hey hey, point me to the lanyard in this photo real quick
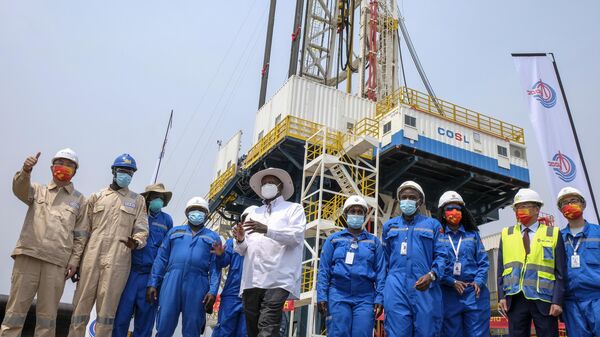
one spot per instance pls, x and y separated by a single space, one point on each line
457 248
576 246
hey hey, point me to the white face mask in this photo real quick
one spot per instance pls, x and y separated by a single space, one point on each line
269 191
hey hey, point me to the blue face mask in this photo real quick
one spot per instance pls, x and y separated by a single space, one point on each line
196 218
355 221
123 179
155 205
408 207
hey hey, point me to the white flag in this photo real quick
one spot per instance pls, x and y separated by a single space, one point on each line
552 128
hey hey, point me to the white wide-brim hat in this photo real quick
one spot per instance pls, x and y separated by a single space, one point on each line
287 189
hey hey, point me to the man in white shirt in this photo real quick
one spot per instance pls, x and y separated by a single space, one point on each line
271 241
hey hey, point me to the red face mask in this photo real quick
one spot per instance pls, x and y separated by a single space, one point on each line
572 211
453 216
62 173
524 216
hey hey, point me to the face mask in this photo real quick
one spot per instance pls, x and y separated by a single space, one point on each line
355 221
196 218
524 216
269 191
408 207
572 211
62 173
155 205
123 179
453 217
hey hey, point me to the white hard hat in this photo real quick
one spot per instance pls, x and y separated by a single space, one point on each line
527 195
197 201
67 154
568 191
355 200
410 184
249 210
450 196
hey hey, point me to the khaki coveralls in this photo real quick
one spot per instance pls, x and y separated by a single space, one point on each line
112 216
53 235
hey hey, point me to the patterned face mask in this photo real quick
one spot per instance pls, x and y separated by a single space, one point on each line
524 215
572 211
62 173
453 216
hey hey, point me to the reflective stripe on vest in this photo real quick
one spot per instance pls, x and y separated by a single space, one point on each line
532 274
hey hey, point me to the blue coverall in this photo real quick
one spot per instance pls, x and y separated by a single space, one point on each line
351 289
466 315
133 300
232 322
408 311
582 296
188 271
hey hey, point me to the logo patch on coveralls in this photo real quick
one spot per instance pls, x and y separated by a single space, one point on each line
74 204
130 204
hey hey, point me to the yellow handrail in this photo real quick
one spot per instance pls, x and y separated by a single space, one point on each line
331 210
221 180
449 111
307 278
367 127
290 126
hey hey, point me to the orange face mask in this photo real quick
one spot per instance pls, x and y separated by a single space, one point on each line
572 211
524 216
62 173
453 216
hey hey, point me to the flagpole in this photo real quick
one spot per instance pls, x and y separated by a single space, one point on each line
162 151
585 171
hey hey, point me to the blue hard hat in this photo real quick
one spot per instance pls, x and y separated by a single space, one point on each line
125 160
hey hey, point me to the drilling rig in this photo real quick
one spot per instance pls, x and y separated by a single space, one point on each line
345 122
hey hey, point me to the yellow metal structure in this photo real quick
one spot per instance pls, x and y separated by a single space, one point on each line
290 126
221 181
301 129
451 112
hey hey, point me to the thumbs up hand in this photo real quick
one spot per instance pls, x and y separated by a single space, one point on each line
30 162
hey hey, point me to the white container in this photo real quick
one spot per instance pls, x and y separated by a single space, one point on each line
435 133
228 154
314 102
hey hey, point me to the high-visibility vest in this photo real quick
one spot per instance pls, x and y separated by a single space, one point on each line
532 274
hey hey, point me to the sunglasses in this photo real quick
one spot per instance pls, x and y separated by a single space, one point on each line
452 207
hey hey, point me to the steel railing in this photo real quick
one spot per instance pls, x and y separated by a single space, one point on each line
449 111
219 183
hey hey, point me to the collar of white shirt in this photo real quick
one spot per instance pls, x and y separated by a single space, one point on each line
274 202
533 228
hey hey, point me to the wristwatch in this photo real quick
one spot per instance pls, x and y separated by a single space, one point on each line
432 275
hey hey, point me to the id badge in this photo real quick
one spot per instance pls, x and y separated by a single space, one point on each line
349 258
457 269
575 261
404 248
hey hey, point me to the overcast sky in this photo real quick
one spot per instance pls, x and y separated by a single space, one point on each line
101 77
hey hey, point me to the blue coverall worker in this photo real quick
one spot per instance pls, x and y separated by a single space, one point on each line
231 321
186 271
416 257
133 299
582 245
351 276
465 294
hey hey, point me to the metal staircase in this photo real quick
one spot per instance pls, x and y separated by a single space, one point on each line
336 166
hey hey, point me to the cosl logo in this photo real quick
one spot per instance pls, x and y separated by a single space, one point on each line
454 135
